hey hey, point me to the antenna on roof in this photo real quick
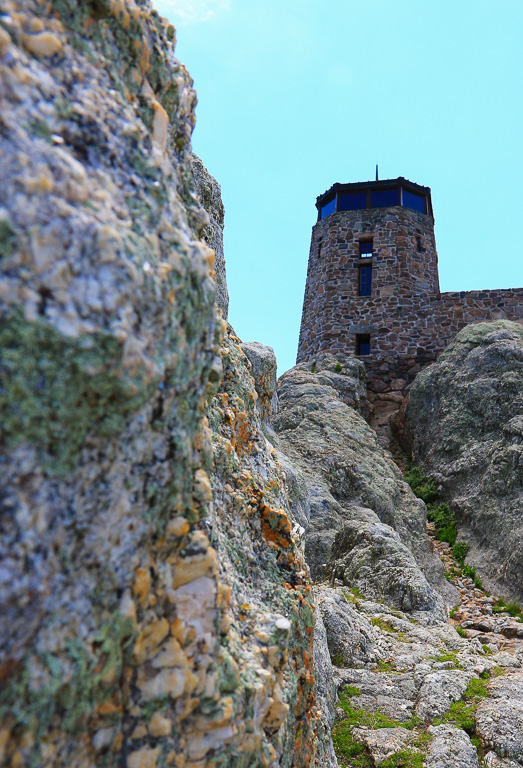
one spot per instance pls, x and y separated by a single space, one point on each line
377 174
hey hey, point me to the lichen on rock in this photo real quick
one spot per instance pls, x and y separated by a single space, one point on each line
464 418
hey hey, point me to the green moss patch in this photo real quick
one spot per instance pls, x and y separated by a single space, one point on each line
54 389
462 713
351 753
68 689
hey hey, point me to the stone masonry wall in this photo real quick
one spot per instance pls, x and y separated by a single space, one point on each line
408 320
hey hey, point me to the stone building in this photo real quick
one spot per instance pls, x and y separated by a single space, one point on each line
373 288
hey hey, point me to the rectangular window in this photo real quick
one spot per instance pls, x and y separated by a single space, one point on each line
383 198
365 280
329 208
352 201
363 344
416 202
366 249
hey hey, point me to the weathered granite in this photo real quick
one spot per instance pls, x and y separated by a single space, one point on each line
138 626
209 193
450 747
352 485
464 420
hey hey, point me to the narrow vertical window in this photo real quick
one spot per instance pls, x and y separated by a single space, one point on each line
320 246
365 280
363 344
366 249
418 243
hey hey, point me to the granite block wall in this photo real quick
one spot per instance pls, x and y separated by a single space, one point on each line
406 318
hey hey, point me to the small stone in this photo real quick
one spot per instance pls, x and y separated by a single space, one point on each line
42 44
159 725
144 758
160 125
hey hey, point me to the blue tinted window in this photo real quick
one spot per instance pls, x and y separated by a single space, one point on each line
365 281
328 208
352 202
366 249
382 198
416 202
363 344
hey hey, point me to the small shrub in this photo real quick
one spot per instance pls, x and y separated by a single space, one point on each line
338 367
422 486
460 551
313 367
461 632
513 609
453 611
444 522
486 650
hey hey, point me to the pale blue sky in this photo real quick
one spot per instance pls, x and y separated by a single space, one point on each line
295 95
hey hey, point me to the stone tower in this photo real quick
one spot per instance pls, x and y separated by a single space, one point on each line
372 249
373 288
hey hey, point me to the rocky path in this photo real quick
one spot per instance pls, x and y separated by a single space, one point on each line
499 631
445 695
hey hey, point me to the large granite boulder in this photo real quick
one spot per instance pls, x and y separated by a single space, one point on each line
156 608
360 513
464 417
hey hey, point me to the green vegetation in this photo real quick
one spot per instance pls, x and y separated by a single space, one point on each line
313 367
486 650
338 367
405 758
423 487
386 666
513 609
461 632
444 521
449 656
470 572
348 749
460 551
383 624
462 713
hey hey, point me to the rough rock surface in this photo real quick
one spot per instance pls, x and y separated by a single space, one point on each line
407 680
263 366
209 194
500 717
464 416
363 519
127 636
450 747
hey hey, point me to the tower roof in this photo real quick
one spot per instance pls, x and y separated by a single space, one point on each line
401 184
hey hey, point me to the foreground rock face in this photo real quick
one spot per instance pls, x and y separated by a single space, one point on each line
156 609
464 418
363 523
210 196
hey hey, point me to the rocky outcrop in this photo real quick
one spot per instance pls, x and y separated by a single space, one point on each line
270 608
156 608
364 525
464 419
209 194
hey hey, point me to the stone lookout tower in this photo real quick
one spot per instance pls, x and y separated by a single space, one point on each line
373 288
